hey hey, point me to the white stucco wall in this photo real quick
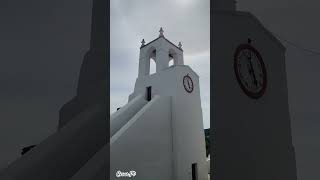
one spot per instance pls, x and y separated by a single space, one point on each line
125 113
144 144
163 47
188 127
187 122
62 154
95 168
249 130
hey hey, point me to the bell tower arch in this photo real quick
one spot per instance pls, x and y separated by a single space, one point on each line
161 50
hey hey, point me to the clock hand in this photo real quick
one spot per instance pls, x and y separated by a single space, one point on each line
251 71
249 65
253 74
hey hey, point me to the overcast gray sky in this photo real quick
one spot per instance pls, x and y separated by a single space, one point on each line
187 21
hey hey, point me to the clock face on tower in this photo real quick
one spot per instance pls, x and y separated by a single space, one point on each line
188 83
250 71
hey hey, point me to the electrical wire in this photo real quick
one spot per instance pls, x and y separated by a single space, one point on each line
295 45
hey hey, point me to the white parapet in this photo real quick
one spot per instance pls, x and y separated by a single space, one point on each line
125 113
144 144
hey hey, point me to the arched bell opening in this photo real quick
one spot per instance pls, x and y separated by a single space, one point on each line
173 57
151 64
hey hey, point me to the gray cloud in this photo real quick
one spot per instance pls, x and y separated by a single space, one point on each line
189 24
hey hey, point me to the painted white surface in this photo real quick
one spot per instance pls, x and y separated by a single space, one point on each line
258 127
95 168
125 113
188 133
144 144
271 110
183 126
159 51
63 153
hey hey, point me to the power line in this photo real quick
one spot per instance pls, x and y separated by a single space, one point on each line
296 46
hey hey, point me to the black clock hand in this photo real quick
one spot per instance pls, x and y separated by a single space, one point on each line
249 65
251 71
188 84
253 74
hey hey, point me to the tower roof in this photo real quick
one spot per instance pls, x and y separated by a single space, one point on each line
161 35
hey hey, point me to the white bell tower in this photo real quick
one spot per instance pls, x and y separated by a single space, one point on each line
161 51
162 123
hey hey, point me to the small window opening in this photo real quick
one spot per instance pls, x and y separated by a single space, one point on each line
149 93
194 171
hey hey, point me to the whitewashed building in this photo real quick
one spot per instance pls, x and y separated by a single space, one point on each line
251 121
159 134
